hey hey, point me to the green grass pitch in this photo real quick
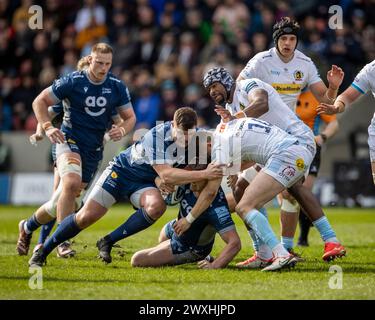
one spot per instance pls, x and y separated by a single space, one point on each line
86 277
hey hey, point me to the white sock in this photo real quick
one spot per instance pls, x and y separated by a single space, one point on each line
280 251
265 252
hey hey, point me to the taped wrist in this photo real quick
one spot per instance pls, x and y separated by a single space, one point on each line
190 218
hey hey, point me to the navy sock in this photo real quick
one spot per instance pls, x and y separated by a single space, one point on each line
138 221
31 224
67 229
45 231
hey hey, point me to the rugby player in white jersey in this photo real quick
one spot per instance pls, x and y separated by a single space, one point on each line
363 82
239 143
255 98
289 71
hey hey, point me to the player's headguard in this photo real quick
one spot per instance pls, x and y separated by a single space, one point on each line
285 26
218 74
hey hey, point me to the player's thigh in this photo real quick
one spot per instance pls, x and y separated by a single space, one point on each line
153 257
261 190
309 181
167 231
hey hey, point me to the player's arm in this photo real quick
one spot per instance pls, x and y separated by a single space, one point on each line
323 94
170 175
37 136
343 100
258 104
40 107
123 127
329 131
39 132
233 246
206 196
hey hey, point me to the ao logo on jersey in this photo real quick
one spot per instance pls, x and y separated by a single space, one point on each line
95 102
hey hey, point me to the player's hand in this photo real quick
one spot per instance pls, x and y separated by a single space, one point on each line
34 138
335 76
223 113
324 108
214 171
319 140
55 135
232 180
181 226
204 264
166 188
116 133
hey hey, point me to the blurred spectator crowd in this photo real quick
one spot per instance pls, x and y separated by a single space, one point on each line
163 47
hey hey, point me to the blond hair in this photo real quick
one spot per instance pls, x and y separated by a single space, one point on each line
101 47
83 63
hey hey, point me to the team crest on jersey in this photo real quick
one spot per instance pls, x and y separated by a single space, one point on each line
242 106
288 173
114 175
300 164
298 75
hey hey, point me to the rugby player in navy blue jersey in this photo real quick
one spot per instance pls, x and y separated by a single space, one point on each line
89 99
196 243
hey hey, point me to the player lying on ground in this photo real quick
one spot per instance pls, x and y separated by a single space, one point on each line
81 136
288 71
255 98
132 174
196 243
363 82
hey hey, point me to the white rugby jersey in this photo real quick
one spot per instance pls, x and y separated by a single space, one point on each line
365 81
288 79
248 139
278 114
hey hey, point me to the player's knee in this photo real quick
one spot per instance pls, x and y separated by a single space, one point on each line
137 259
72 185
85 218
155 209
241 209
162 236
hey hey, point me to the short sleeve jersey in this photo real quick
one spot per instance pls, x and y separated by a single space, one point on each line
288 79
88 106
365 80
